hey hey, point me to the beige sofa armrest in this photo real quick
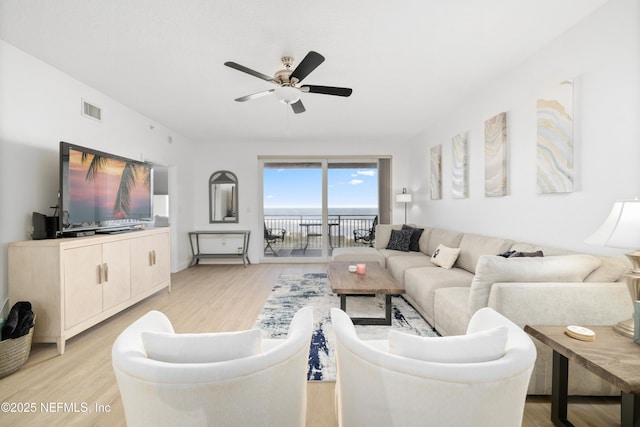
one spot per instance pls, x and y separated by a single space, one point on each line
562 303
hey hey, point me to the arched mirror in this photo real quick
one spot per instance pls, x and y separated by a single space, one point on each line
223 197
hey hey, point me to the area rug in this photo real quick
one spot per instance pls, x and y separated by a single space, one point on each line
294 291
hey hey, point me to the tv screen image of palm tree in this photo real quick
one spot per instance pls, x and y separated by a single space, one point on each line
105 188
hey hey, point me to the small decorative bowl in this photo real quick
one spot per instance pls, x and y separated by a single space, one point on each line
352 268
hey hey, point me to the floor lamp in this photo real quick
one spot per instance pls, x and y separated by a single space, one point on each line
405 198
621 229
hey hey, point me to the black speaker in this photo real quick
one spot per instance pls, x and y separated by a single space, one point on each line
44 227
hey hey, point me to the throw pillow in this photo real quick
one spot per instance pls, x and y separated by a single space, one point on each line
445 256
483 346
201 348
400 240
494 269
517 254
506 254
414 244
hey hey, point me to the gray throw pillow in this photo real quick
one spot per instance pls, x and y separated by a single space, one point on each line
414 244
526 254
400 240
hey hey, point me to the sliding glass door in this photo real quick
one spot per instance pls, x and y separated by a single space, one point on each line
311 206
292 207
352 200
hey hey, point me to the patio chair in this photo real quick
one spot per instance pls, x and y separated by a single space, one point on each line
366 235
272 235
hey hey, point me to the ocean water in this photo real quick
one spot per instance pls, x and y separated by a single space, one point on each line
318 211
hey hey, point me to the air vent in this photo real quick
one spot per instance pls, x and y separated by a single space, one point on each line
91 111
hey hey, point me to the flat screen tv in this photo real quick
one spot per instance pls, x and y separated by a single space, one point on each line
103 192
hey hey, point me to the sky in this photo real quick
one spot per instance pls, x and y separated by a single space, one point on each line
302 188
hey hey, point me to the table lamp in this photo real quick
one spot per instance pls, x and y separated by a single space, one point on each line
621 229
405 198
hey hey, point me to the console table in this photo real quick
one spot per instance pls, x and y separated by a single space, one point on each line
197 254
614 358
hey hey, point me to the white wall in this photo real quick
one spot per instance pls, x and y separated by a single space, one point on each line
242 159
602 55
40 106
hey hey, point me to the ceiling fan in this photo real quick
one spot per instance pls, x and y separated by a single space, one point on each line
287 81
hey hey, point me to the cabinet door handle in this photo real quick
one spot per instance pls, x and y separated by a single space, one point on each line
106 271
99 274
154 257
150 258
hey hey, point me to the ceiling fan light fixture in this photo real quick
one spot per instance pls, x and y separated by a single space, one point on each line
287 94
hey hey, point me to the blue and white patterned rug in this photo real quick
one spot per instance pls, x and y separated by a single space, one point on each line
294 291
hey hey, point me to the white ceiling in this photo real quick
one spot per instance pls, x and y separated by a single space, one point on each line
408 61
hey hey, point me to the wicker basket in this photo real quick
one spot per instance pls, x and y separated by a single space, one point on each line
14 353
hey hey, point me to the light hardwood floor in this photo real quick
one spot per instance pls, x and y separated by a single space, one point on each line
204 298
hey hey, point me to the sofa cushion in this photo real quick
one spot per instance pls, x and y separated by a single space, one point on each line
421 283
494 269
398 265
473 246
445 237
424 239
201 348
478 347
388 253
445 256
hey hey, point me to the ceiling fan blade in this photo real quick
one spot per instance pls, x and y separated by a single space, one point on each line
308 64
327 90
254 95
298 107
249 71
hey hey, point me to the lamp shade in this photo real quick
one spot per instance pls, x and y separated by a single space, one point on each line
621 229
403 198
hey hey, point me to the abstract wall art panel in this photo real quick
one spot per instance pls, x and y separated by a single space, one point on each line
436 172
459 167
495 156
555 139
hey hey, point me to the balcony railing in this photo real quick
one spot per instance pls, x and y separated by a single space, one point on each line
304 231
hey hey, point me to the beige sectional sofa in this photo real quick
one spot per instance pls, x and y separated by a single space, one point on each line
560 288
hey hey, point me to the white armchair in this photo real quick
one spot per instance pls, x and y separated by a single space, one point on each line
265 389
376 387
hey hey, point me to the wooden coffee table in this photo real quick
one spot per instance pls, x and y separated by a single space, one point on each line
376 281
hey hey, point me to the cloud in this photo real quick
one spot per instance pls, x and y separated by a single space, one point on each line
269 196
356 181
370 172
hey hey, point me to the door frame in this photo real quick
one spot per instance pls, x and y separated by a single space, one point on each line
324 161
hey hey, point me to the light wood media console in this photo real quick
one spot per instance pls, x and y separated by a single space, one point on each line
75 283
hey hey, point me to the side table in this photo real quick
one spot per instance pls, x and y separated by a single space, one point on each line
612 357
197 254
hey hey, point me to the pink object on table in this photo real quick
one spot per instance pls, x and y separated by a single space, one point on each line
361 268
